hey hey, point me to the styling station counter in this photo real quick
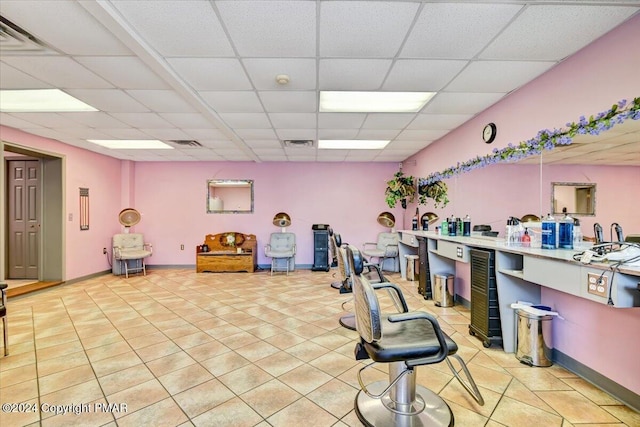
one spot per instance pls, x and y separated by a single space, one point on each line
521 273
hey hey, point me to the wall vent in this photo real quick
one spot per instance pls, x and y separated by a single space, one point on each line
15 40
299 143
186 142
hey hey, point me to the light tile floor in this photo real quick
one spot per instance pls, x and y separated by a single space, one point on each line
178 348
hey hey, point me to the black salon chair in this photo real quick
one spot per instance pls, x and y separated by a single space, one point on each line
405 341
3 315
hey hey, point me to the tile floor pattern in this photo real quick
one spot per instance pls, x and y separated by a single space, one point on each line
180 348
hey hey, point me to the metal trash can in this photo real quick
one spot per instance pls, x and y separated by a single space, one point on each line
533 340
413 267
443 292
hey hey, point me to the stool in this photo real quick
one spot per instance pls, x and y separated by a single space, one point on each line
412 269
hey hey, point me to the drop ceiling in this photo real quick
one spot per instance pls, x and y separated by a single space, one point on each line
206 71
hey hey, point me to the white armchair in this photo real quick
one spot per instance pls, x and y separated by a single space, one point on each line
385 250
282 250
130 251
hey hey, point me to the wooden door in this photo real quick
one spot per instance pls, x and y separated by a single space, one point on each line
23 218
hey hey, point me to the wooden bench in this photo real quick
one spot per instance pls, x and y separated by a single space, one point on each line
228 252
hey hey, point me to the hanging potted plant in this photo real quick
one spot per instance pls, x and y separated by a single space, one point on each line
401 188
436 190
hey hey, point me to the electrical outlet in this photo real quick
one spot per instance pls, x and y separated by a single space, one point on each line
182 247
104 251
597 284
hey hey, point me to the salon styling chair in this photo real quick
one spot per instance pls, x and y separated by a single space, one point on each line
405 341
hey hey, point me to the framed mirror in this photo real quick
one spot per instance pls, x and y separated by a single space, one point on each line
229 196
574 198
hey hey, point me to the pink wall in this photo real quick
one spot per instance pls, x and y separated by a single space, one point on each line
172 200
86 169
587 83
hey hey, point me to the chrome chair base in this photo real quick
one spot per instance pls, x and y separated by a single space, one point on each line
384 412
348 321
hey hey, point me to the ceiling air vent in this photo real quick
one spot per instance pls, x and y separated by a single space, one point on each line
14 39
186 142
298 143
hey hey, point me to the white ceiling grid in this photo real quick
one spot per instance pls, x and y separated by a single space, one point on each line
205 70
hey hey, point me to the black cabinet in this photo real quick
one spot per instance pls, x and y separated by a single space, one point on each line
485 311
320 247
424 275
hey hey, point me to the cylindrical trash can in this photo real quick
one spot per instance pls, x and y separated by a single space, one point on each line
533 341
443 290
413 267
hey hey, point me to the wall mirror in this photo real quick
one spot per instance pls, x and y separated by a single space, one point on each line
573 198
230 196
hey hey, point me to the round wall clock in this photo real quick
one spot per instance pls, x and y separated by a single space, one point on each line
489 133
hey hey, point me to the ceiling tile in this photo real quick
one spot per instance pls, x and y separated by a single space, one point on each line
461 103
352 74
58 71
560 30
211 73
340 120
497 76
246 120
422 74
337 133
256 133
11 120
166 133
378 133
422 135
438 121
364 29
206 133
137 75
49 120
387 121
95 119
263 143
64 24
177 28
187 120
11 78
162 101
265 158
263 72
142 120
296 133
233 101
407 145
218 144
289 102
109 100
456 30
268 151
125 133
293 120
278 28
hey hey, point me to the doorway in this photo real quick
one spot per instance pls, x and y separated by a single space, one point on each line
46 247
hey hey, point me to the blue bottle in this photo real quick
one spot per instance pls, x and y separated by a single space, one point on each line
565 232
549 232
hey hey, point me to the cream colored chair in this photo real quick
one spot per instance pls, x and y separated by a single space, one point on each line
385 250
130 251
282 251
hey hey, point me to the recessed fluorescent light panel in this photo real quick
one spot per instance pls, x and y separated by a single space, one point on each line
39 101
373 102
351 144
132 144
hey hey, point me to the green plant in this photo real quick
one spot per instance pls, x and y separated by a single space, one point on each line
436 191
401 188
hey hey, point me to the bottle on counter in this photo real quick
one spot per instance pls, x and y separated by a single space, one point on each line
452 226
444 228
577 234
459 226
414 221
526 238
565 238
466 226
549 232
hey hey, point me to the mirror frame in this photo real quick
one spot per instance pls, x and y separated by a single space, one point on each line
591 185
229 183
